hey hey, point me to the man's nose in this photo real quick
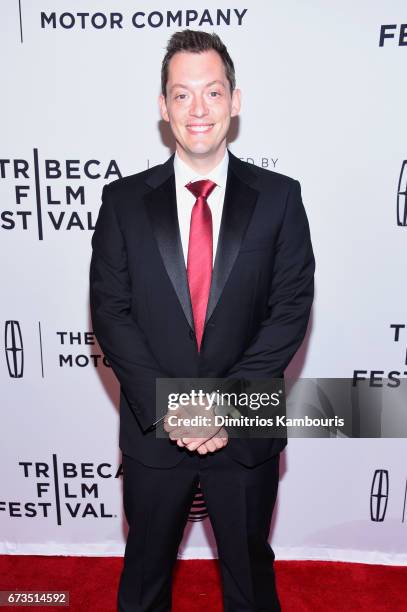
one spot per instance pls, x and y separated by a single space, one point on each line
198 107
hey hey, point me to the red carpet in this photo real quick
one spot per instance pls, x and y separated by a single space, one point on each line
304 586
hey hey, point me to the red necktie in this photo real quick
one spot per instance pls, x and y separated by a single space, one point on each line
199 263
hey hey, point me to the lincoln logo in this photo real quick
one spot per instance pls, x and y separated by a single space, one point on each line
402 196
379 495
13 343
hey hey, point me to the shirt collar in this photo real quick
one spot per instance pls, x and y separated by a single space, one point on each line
185 174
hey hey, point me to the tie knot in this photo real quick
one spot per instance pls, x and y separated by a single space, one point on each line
201 189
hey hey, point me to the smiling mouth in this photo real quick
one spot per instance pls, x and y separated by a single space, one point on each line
200 128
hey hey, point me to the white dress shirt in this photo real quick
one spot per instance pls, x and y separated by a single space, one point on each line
186 200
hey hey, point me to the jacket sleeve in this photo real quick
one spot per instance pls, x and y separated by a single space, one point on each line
116 330
290 299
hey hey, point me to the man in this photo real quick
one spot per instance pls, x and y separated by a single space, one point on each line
201 267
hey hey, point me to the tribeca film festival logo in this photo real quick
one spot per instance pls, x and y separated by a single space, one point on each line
44 196
64 490
402 196
76 350
392 377
61 490
50 194
379 496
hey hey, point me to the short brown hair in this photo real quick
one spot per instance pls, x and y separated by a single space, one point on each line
195 41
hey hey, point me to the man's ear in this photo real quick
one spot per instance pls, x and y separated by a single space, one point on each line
163 108
236 102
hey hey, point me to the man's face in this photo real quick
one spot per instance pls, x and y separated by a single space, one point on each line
199 105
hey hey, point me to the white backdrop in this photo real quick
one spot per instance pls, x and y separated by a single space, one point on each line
323 101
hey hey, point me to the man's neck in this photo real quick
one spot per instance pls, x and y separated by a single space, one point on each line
202 165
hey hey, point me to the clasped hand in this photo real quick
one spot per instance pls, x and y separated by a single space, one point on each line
194 428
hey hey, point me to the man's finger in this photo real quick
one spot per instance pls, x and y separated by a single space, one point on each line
193 443
211 446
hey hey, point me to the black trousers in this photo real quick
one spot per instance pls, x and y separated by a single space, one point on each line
240 502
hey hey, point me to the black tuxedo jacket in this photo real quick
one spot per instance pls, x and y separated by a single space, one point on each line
258 309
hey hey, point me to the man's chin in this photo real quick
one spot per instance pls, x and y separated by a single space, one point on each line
201 152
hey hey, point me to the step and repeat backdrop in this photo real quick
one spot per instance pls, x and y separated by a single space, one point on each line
323 90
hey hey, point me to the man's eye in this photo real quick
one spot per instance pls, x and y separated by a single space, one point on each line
214 94
181 96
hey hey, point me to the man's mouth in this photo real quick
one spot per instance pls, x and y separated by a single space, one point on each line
200 128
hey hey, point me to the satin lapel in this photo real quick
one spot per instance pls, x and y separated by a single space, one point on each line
162 209
240 200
